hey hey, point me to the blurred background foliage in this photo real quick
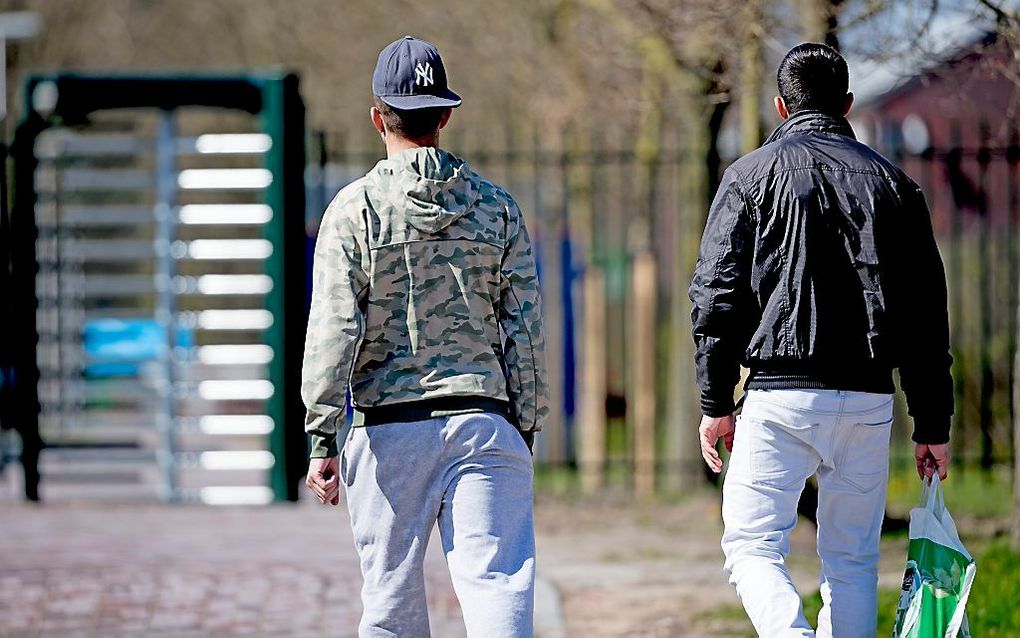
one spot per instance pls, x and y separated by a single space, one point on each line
640 104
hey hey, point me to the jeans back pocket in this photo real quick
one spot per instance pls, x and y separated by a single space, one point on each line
780 458
863 461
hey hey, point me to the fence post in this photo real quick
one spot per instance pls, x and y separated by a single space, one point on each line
591 423
643 293
550 220
956 306
643 287
592 445
684 458
986 254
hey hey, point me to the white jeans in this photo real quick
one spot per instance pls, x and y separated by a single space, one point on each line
782 438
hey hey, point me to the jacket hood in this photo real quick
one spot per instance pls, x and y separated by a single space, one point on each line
434 187
812 121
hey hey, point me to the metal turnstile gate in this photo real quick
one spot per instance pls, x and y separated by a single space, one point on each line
170 285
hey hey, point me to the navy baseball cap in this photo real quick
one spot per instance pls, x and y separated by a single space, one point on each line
410 75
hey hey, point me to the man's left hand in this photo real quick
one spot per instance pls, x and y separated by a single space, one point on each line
712 429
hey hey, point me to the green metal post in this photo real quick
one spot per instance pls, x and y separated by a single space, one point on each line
283 120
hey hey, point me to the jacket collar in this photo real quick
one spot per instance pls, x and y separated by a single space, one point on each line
812 122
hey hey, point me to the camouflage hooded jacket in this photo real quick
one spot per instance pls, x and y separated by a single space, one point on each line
422 269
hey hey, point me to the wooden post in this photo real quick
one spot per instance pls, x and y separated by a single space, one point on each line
642 321
592 422
552 309
591 413
684 464
642 330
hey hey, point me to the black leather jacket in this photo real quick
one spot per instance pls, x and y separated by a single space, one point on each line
819 269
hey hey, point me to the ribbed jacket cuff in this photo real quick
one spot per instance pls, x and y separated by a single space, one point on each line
715 406
931 430
323 447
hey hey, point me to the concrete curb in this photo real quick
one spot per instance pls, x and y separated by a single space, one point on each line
549 620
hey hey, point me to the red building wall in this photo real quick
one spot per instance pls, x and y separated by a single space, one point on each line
954 130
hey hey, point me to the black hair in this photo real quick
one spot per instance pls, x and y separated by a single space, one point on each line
814 77
412 124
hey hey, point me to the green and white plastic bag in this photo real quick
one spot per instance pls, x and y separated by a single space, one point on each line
939 573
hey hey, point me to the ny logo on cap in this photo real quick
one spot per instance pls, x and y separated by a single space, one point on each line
423 74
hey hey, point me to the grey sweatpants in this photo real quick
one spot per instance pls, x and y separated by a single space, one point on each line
472 473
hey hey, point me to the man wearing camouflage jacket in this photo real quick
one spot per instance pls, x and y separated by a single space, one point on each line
425 306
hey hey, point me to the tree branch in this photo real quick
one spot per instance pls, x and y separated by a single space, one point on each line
1001 14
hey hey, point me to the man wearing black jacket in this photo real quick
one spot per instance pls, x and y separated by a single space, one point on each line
819 272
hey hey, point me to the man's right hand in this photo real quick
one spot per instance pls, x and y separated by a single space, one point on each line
930 458
323 479
712 429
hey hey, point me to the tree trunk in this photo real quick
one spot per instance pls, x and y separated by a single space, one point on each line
752 72
820 21
700 169
1016 442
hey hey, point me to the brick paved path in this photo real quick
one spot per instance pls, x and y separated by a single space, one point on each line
143 570
620 569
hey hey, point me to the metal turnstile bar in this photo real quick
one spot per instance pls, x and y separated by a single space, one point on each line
98 179
74 215
65 144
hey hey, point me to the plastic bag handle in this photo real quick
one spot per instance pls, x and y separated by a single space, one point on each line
931 496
